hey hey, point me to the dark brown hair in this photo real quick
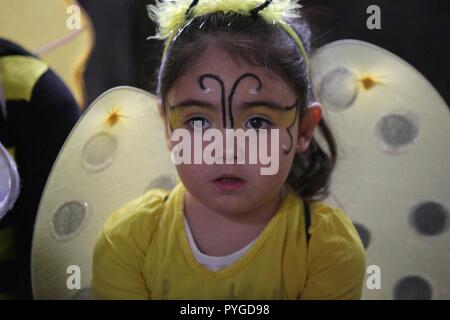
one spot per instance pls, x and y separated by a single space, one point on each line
261 44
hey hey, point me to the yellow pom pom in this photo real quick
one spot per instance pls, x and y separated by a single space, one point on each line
170 16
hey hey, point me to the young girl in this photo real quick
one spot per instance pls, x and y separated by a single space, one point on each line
226 231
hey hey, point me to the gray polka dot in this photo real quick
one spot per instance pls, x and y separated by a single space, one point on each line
98 153
429 218
396 131
338 89
413 288
364 234
68 219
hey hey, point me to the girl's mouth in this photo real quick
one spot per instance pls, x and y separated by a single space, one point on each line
228 183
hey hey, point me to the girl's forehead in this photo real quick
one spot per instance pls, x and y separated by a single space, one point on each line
216 71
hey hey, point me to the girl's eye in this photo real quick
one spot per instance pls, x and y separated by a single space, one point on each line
204 124
258 123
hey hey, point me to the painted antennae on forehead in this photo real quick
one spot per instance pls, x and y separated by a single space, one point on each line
233 90
201 83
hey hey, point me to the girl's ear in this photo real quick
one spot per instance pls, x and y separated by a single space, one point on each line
306 128
163 115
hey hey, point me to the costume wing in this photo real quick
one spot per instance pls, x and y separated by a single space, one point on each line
9 182
114 154
58 31
393 171
392 176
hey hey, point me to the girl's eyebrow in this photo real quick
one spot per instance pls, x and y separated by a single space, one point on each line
244 105
194 102
268 104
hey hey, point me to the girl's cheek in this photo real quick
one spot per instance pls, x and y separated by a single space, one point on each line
275 155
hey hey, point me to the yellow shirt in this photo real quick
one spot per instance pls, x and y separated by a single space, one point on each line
143 253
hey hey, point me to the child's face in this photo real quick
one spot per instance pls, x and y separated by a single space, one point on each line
221 93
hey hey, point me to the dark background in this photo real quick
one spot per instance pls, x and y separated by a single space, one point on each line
416 30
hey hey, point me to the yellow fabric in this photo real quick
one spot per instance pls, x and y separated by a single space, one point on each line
143 253
19 75
170 16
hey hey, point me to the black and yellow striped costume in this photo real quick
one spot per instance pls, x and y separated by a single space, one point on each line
37 115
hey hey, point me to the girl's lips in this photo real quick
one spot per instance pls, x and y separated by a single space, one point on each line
229 183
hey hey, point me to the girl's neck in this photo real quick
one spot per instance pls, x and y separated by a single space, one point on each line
219 234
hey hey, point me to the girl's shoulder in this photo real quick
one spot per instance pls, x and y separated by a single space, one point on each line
323 214
329 222
138 218
334 235
320 218
336 259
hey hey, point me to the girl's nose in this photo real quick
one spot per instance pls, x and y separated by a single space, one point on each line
233 150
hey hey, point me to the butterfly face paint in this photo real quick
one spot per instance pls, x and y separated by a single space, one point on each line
261 112
275 116
261 115
184 116
250 115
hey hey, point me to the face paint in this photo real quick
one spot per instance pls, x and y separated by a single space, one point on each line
276 116
288 129
254 90
201 82
183 116
179 114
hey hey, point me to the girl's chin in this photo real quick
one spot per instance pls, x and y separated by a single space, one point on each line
228 205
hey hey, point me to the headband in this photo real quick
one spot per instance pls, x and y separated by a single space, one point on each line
173 16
